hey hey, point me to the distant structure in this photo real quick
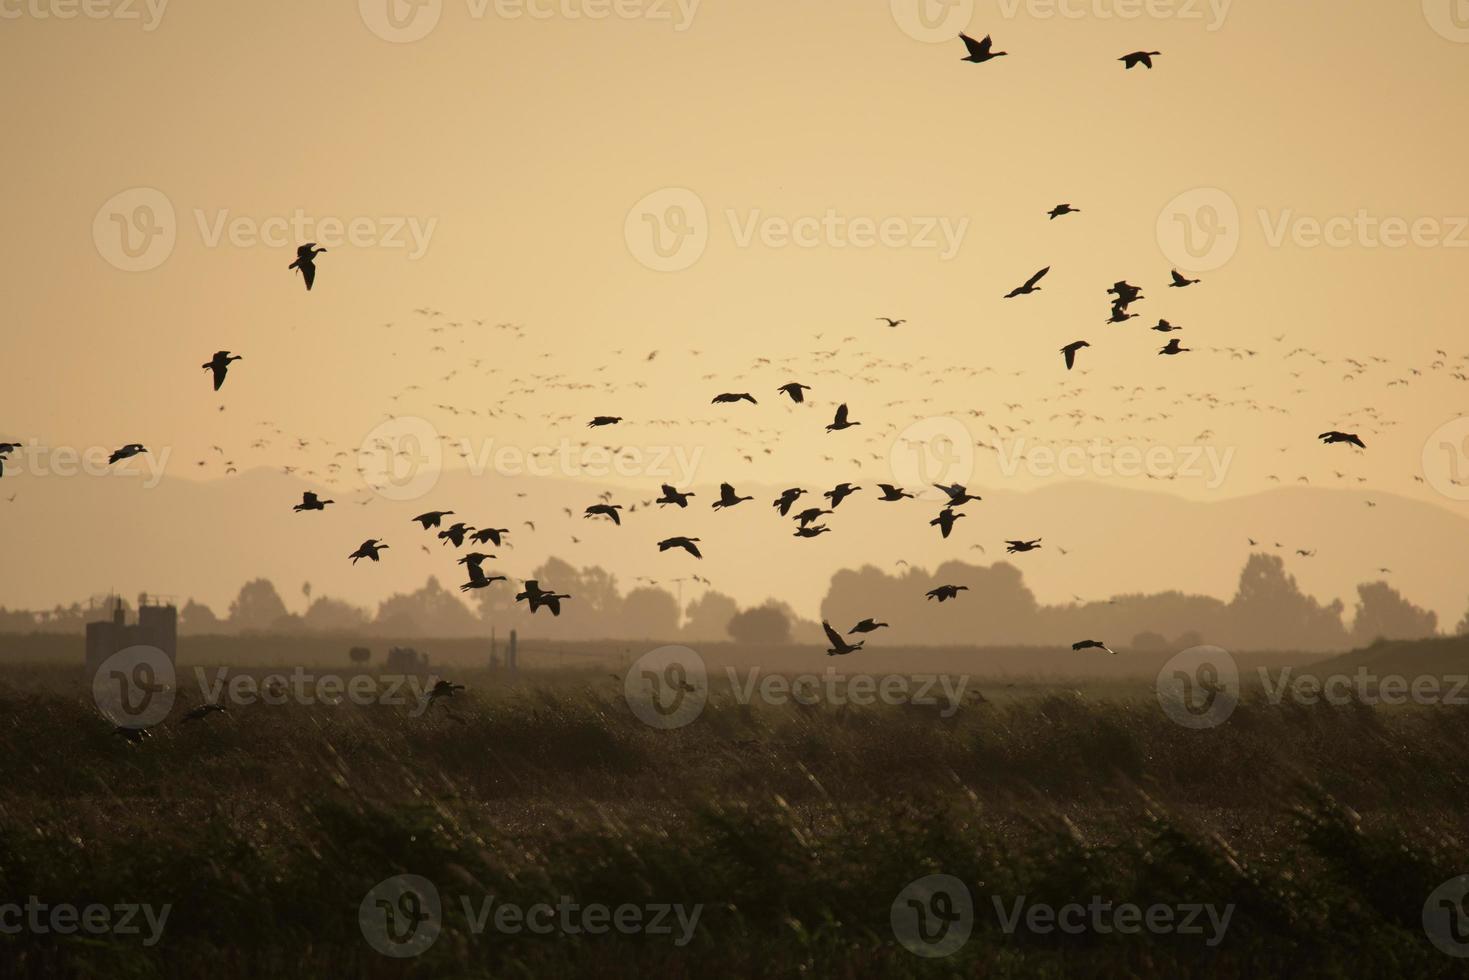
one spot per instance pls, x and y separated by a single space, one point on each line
406 659
157 626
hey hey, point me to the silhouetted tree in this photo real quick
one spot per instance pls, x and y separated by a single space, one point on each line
1384 614
431 611
257 607
335 616
196 617
709 616
763 624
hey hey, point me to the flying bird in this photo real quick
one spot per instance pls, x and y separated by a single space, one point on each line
1092 645
1180 281
891 322
794 389
687 544
1018 547
945 521
1145 58
867 626
1174 348
839 646
602 420
840 421
728 497
1029 286
946 592
478 579
839 493
220 365
1351 437
432 518
126 452
729 397
1061 209
490 535
672 496
604 510
306 262
890 492
980 51
455 533
958 494
536 597
1070 351
369 549
309 501
786 499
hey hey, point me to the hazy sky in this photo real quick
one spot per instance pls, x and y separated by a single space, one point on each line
751 180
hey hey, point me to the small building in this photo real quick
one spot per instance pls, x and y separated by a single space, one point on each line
157 626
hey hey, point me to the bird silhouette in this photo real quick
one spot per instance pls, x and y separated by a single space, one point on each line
1070 351
1180 281
455 533
602 420
945 521
1019 547
839 493
795 390
786 499
1174 348
306 262
1092 645
687 544
604 510
946 592
536 597
1349 437
478 579
672 496
1061 209
867 626
980 51
958 494
1165 327
489 535
369 549
891 322
890 492
730 397
126 452
1029 286
839 646
432 518
220 365
443 689
728 497
810 532
1145 58
309 501
840 421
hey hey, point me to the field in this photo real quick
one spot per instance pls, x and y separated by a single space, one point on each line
777 838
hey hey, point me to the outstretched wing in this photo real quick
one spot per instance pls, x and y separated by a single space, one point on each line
1037 277
977 48
832 636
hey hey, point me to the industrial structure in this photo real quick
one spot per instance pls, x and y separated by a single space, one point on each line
157 626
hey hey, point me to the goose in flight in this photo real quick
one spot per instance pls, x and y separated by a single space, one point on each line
839 646
810 532
1120 314
891 322
1061 209
536 597
310 501
1165 327
840 422
489 535
478 579
604 510
1126 293
980 51
1351 437
431 518
1019 547
1180 281
728 497
946 592
1070 351
220 365
785 500
306 262
369 549
794 389
602 420
890 492
730 397
672 496
1174 348
1092 645
126 452
839 493
444 689
810 514
455 533
958 494
687 544
945 521
1144 58
474 559
1029 286
867 626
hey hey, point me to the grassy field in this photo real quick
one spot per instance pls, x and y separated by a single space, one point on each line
790 831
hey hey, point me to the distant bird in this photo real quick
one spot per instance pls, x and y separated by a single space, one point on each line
1126 293
840 422
309 501
444 689
794 389
455 533
1145 58
220 365
1093 645
786 499
980 51
1305 553
474 559
867 626
1029 286
810 532
946 592
369 549
1070 351
1120 314
478 579
810 515
958 494
945 521
687 544
839 646
306 262
1179 281
126 452
891 322
672 496
489 535
1165 327
1174 348
1330 437
602 420
728 497
1018 547
604 510
890 492
728 397
1061 209
432 518
537 597
839 493
202 711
